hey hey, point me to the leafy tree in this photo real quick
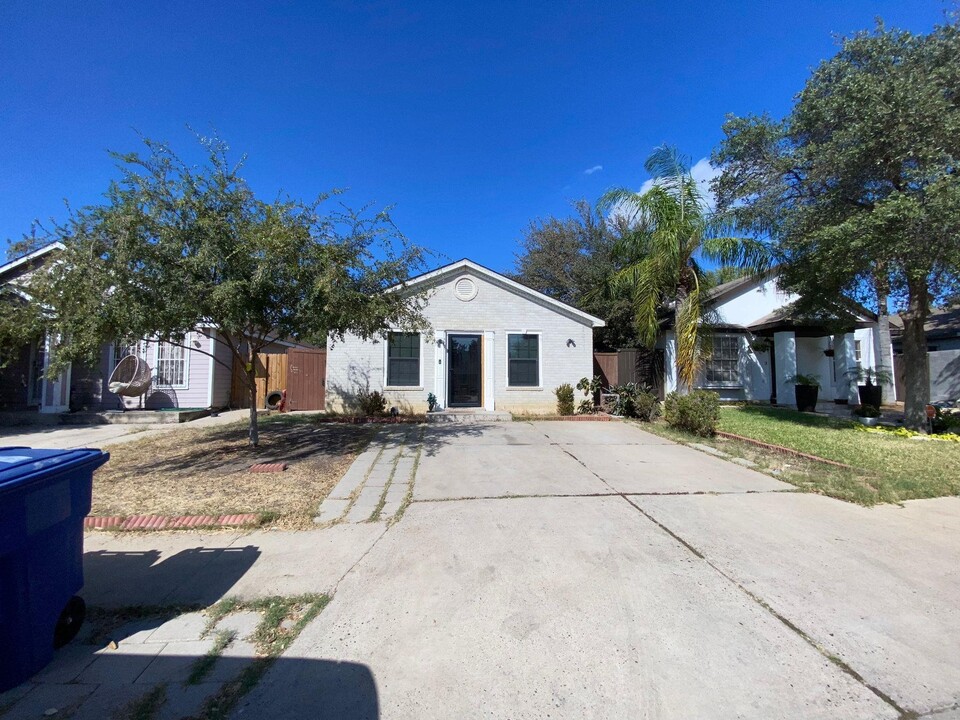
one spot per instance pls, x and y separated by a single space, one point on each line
858 185
672 232
178 248
568 259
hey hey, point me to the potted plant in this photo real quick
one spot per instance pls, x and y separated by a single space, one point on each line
806 388
870 393
761 344
867 414
431 402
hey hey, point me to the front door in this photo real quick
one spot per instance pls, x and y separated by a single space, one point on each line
464 383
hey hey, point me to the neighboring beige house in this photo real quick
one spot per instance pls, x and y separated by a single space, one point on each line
493 344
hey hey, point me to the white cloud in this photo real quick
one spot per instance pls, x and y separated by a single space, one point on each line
594 169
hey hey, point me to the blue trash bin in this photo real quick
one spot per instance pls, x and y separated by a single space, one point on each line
44 497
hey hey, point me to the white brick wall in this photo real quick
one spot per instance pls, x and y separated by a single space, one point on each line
354 363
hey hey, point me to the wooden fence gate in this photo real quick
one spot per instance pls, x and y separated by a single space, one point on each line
306 379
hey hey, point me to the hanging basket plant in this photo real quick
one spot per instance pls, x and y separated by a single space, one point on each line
761 344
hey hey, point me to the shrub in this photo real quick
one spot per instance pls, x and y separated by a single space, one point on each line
697 413
635 401
371 403
585 407
866 411
647 406
945 421
564 395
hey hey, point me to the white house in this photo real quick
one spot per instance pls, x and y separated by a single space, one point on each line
760 343
493 344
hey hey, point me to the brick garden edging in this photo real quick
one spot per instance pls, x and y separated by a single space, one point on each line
168 522
784 450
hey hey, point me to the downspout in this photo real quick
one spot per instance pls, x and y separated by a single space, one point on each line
773 372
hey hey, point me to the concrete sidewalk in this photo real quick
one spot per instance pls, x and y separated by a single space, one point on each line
67 437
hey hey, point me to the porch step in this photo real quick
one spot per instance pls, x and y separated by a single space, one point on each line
468 416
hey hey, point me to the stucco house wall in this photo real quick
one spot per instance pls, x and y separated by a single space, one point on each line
496 309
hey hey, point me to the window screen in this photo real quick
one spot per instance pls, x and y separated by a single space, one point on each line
403 359
523 360
723 368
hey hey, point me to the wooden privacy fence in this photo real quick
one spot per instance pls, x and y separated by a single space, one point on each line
301 372
631 365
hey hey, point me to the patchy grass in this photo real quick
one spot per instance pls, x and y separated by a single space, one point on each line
146 707
203 666
888 468
205 471
283 620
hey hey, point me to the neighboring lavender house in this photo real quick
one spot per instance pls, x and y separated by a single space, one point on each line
760 343
181 378
493 345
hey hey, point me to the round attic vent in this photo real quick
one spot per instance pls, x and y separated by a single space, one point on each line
465 289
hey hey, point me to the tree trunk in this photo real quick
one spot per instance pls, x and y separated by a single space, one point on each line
916 375
252 387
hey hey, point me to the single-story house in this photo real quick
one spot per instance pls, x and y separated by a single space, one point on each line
760 342
184 376
492 344
942 330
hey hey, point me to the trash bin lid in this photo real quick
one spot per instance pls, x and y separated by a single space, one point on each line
22 464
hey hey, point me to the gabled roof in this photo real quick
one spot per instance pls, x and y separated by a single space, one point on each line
460 266
12 265
730 289
941 323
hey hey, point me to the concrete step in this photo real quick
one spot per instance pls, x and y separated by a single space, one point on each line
468 416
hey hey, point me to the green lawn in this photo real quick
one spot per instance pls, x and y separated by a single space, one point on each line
893 468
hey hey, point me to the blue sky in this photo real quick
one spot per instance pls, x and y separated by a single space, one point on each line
471 119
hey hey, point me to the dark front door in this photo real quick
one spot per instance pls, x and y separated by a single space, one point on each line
464 379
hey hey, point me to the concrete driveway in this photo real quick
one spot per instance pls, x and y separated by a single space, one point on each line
572 570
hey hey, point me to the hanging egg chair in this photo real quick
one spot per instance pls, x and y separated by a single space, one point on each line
130 378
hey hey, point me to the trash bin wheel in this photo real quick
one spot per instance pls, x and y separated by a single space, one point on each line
69 622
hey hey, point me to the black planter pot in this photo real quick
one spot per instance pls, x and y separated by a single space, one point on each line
871 395
806 397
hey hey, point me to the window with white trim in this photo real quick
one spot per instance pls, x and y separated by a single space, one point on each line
523 360
723 367
171 365
403 359
122 350
857 352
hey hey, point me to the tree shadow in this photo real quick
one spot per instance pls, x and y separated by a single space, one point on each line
225 450
437 435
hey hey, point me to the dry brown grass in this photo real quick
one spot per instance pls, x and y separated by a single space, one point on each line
205 471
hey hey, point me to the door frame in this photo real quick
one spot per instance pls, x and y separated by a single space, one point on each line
449 366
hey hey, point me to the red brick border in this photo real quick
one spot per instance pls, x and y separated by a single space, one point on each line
785 450
167 522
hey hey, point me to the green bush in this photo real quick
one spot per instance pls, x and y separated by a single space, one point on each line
564 395
635 401
371 403
586 407
647 406
697 413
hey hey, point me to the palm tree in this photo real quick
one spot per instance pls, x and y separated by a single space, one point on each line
673 231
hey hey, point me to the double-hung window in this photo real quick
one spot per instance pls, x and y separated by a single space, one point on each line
403 359
171 366
523 360
723 367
